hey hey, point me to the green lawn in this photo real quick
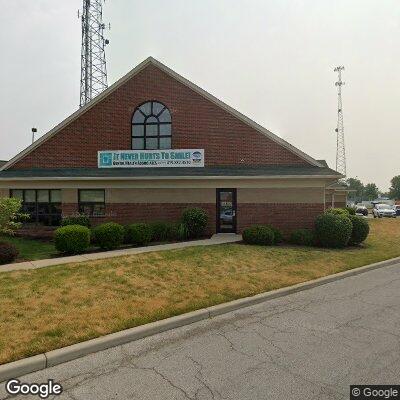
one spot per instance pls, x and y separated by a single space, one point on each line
57 306
31 249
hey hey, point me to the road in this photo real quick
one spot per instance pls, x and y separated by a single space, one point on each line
308 345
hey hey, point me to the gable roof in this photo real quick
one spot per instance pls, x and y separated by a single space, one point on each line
3 162
181 79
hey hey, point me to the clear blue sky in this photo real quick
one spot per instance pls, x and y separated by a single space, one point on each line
272 60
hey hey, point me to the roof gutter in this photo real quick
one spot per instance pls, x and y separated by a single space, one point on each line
127 178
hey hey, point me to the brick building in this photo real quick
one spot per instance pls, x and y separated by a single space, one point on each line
153 144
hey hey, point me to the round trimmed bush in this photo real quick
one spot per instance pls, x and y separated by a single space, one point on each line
302 237
159 231
79 219
360 230
139 234
72 239
8 253
333 230
196 221
338 211
108 236
258 234
278 236
351 210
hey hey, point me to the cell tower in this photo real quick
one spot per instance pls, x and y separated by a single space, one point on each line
93 57
340 145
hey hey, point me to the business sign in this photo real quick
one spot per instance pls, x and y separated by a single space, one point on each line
150 158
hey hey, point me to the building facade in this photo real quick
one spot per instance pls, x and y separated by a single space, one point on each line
154 144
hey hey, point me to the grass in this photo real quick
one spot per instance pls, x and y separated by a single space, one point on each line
53 307
30 249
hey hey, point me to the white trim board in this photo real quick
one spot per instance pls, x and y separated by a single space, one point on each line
179 78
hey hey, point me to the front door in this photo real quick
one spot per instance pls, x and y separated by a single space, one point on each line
226 210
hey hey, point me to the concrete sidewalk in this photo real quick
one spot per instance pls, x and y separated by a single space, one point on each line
220 238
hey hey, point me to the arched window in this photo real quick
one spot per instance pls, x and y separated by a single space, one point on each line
151 127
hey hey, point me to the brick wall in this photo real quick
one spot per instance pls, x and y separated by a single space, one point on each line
196 123
125 213
286 217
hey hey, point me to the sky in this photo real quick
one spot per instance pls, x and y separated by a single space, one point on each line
272 60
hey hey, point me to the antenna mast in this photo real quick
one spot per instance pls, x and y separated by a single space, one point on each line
340 145
93 57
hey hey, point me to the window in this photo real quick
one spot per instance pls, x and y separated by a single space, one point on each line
151 127
42 205
92 202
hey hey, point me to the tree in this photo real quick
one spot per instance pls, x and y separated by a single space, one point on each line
356 185
371 191
10 215
394 191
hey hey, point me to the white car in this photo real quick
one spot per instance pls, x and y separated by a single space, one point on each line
383 210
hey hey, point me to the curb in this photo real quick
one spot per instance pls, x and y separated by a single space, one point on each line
58 356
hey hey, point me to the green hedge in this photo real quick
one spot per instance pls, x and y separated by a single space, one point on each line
159 231
338 211
8 252
72 239
196 220
258 234
332 230
138 234
360 230
303 237
108 236
80 219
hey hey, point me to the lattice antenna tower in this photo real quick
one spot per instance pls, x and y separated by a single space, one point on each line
93 56
340 143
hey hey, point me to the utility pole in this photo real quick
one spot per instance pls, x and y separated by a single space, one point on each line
93 57
340 144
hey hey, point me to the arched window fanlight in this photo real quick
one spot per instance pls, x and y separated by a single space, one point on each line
151 127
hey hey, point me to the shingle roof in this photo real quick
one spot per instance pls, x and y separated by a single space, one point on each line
3 162
154 173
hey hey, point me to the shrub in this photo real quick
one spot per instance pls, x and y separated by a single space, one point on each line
333 230
108 236
258 234
79 219
72 239
351 210
360 230
338 211
8 253
10 215
278 236
196 221
139 234
303 237
182 231
172 229
159 231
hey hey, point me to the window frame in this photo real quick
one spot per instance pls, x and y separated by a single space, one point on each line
158 136
91 204
53 218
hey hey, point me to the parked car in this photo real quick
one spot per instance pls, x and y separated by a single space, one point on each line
227 216
383 210
360 209
397 208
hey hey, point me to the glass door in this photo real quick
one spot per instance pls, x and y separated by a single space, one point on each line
226 210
